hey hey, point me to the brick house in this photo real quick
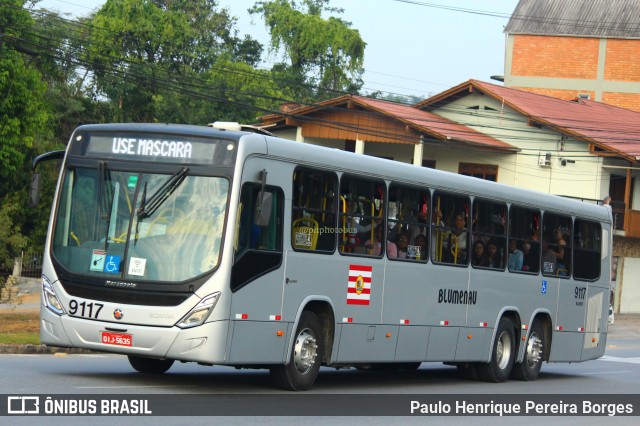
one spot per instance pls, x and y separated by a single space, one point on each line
571 48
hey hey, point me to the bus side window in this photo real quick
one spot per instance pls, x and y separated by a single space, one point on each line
449 234
556 245
523 231
407 220
488 224
258 248
361 217
587 237
313 216
252 235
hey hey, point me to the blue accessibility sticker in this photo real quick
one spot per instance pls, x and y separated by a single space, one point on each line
543 289
112 264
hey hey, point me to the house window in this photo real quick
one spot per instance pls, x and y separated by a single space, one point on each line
481 171
430 164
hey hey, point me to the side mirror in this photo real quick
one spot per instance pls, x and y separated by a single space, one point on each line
34 190
264 202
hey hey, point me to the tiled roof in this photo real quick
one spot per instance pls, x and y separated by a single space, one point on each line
611 128
583 18
421 121
615 129
438 126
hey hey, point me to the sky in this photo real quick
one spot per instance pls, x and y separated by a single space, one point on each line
418 48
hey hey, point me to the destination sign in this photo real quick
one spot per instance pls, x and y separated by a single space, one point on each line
156 148
152 147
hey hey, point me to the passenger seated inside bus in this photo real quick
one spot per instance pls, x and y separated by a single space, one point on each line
559 251
420 244
455 241
515 257
355 231
494 255
402 244
375 247
530 256
478 257
549 260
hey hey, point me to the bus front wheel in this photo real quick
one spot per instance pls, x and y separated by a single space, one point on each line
533 354
150 365
306 356
503 354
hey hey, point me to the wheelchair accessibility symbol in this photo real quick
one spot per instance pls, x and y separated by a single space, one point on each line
112 264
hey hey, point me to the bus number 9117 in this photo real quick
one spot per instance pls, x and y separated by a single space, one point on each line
84 309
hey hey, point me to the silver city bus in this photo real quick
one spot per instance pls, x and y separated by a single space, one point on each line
172 242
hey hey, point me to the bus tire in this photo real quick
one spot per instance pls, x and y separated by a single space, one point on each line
502 355
306 356
149 365
529 368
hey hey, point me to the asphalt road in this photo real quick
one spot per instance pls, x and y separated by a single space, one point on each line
110 375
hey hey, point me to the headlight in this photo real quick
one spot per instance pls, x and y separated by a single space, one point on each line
49 297
200 312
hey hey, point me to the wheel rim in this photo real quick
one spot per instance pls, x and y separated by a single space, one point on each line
534 350
305 351
503 350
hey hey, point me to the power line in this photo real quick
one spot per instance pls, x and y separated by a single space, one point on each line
198 89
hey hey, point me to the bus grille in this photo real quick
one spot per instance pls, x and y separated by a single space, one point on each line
124 296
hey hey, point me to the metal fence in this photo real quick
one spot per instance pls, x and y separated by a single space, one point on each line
28 265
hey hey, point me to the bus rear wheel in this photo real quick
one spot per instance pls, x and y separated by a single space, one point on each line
306 356
149 365
502 356
529 368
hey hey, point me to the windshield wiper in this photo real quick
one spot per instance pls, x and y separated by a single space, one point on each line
105 197
105 192
148 208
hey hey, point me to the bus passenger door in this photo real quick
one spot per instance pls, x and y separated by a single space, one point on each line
257 273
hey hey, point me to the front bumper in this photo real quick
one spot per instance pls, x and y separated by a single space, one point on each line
205 343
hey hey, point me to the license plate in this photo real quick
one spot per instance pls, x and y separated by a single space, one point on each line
118 339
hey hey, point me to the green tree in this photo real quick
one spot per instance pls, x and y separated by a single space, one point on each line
25 124
23 113
323 52
144 51
64 66
228 91
12 242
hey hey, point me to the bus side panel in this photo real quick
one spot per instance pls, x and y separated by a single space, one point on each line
412 343
595 338
471 344
257 342
367 343
434 297
442 343
572 305
568 334
566 346
327 277
417 294
409 293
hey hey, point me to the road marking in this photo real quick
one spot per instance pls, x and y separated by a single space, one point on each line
635 360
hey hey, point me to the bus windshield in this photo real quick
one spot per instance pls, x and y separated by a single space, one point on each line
139 226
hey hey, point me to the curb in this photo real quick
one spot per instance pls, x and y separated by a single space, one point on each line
6 349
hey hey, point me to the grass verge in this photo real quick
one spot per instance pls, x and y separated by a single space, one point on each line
19 327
